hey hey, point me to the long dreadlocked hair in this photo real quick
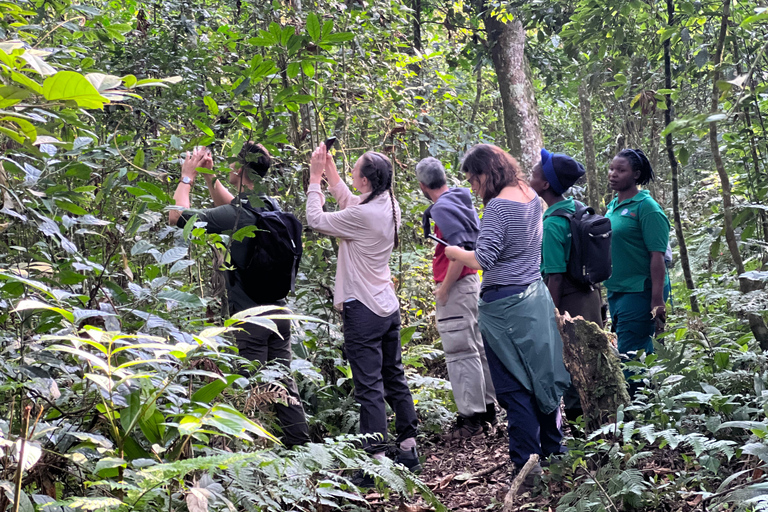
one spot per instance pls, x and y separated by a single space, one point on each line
377 168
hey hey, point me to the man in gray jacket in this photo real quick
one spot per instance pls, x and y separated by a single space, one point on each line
456 294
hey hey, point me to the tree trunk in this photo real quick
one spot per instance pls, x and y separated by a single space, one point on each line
595 369
585 108
416 67
684 260
478 92
521 117
730 236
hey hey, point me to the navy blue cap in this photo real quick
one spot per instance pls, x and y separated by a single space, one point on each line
561 171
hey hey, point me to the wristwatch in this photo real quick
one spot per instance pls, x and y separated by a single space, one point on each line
187 180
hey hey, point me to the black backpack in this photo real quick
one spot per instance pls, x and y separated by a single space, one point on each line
273 254
590 260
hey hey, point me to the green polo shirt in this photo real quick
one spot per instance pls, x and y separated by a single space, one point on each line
639 227
556 238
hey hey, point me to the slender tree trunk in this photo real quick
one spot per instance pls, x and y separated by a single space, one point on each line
416 67
684 260
730 236
521 117
585 108
762 218
478 93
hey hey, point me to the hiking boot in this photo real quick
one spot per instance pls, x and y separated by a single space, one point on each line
362 480
532 479
465 428
488 418
409 458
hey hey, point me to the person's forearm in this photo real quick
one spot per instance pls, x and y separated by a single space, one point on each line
180 198
658 271
332 175
467 258
452 275
218 191
555 286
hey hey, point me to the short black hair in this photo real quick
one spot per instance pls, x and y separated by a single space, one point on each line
255 158
639 162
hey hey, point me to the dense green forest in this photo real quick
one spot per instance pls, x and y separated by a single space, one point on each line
118 383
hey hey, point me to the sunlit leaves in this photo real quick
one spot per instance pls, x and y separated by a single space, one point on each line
71 86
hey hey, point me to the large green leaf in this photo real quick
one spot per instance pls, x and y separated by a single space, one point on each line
68 85
210 391
313 27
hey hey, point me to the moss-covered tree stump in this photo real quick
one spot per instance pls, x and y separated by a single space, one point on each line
595 369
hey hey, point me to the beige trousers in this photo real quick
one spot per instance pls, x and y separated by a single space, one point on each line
463 346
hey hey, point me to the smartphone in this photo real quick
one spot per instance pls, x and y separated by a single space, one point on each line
329 142
438 240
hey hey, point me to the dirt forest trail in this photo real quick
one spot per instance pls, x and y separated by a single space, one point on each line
469 477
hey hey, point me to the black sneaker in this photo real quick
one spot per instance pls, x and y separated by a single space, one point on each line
409 459
488 418
362 480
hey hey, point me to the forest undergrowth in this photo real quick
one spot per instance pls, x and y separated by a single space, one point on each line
120 387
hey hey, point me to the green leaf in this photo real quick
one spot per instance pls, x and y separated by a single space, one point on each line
683 155
203 128
406 334
36 304
108 463
286 34
244 232
27 129
263 39
138 159
29 83
308 67
155 191
189 299
313 27
211 104
327 29
339 37
207 393
68 85
293 69
70 207
172 255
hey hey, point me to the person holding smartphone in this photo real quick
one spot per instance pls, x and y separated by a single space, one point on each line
230 213
516 312
456 293
366 226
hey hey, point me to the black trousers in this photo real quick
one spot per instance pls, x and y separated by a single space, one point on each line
257 343
372 346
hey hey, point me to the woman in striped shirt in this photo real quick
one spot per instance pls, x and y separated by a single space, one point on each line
516 312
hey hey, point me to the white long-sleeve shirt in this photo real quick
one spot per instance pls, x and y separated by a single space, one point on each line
367 237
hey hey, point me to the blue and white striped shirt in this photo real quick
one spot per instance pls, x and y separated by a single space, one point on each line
509 245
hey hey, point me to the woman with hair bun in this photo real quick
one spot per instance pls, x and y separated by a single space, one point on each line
367 227
640 237
516 312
